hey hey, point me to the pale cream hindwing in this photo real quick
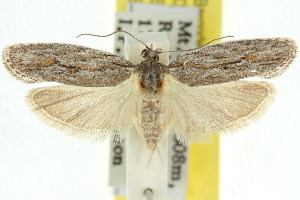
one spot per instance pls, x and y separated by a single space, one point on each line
222 108
88 112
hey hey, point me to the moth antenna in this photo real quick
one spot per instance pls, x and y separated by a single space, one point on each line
220 38
118 31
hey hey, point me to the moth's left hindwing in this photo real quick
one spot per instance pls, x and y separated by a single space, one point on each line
201 111
65 63
91 112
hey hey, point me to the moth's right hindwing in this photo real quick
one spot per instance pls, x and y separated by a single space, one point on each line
65 63
87 112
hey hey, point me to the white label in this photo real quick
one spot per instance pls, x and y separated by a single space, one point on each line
117 168
181 25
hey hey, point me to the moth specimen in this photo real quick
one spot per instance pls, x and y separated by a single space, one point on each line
198 94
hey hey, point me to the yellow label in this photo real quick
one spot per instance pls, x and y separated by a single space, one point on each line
120 198
203 174
203 177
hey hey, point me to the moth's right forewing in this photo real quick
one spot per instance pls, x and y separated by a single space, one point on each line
234 60
65 63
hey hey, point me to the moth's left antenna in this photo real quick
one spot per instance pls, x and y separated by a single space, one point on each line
118 31
198 47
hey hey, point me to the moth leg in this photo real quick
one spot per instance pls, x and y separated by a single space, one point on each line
150 158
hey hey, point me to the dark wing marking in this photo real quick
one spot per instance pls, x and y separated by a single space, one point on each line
234 60
65 63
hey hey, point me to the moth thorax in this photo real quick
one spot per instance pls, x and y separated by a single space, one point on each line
151 78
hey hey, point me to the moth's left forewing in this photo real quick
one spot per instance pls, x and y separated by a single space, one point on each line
234 60
276 56
198 112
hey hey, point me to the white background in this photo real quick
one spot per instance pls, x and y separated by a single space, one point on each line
37 162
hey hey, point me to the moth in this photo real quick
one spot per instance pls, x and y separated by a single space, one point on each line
199 94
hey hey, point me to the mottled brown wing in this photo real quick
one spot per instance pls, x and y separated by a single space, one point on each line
65 63
234 60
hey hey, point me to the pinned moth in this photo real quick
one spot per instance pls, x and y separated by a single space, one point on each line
197 95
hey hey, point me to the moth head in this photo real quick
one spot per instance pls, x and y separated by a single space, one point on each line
151 54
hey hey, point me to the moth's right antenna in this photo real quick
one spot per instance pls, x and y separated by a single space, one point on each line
118 31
